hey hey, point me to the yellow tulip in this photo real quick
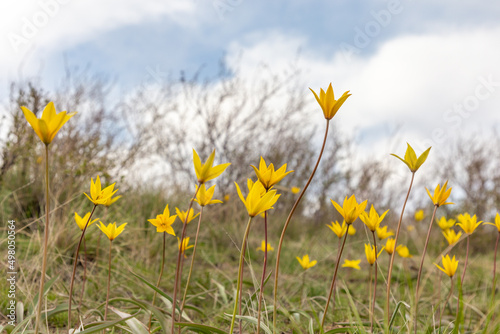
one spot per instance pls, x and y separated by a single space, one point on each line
419 215
206 171
328 103
295 190
338 229
440 195
204 196
268 176
403 251
451 236
468 223
350 209
305 262
411 159
82 221
497 222
370 253
389 246
111 230
352 230
372 220
257 200
382 232
182 215
185 245
449 265
164 221
351 264
100 196
263 247
445 224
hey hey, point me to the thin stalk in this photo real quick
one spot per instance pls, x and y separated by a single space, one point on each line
391 263
240 269
240 322
334 278
417 294
192 260
445 302
179 255
109 281
45 239
490 315
84 271
74 267
263 274
159 278
463 273
99 237
370 287
287 222
375 282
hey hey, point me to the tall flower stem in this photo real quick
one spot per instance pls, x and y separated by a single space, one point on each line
375 282
263 274
159 278
84 278
74 267
240 269
179 256
192 260
445 302
99 238
417 293
332 286
287 222
463 273
45 239
109 281
391 263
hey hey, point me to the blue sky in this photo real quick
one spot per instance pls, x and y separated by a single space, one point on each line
425 70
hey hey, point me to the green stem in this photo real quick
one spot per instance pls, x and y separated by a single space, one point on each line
374 283
287 222
240 269
391 263
84 278
179 256
445 302
109 281
192 261
332 286
417 293
74 267
263 274
45 239
463 273
159 279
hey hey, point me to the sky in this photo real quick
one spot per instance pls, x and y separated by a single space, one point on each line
423 72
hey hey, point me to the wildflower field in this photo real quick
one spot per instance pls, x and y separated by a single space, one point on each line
265 248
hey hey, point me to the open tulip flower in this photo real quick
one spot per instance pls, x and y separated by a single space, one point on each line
327 101
49 124
497 222
411 159
370 253
164 221
204 196
82 221
403 251
206 172
305 262
451 236
449 265
338 229
446 224
263 247
440 195
382 233
100 196
182 215
268 176
257 200
468 223
351 264
372 220
350 209
111 230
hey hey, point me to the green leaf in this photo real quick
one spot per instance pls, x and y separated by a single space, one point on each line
135 325
199 328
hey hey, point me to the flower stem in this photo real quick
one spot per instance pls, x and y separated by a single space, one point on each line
391 263
417 293
446 302
74 267
159 278
263 273
192 260
332 287
84 278
463 273
179 255
109 281
45 239
374 282
287 222
240 269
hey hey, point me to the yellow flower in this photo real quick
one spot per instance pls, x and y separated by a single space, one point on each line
440 195
205 172
305 263
268 176
468 223
111 230
49 124
328 103
263 247
497 222
410 228
226 198
370 253
451 236
82 221
257 200
352 230
164 221
449 265
350 209
411 159
445 224
338 229
419 215
389 246
403 251
382 232
204 196
295 190
372 220
182 215
98 195
111 200
185 245
351 264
